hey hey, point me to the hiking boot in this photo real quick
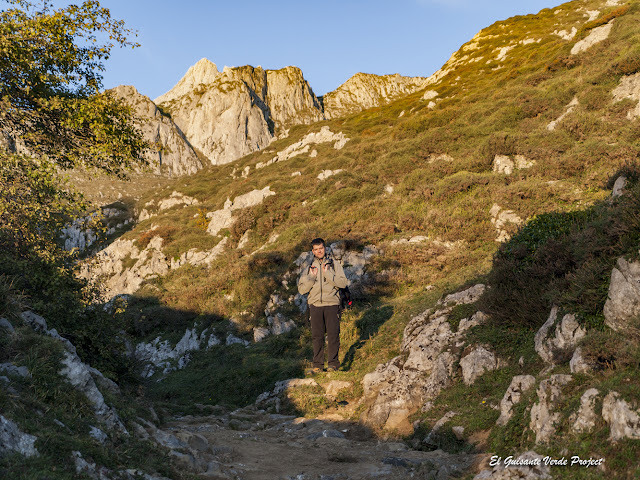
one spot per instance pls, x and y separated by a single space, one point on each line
313 371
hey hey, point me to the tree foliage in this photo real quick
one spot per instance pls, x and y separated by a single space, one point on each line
50 79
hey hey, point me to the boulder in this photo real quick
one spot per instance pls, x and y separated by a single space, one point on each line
260 333
6 324
543 417
520 384
501 218
622 418
629 88
579 363
621 182
597 35
585 419
560 347
334 387
476 363
623 302
13 440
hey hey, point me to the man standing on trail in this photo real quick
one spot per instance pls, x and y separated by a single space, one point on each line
322 280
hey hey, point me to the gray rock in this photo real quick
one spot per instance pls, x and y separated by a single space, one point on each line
476 363
623 419
233 340
365 90
560 347
260 333
334 387
6 324
470 295
620 185
35 321
520 384
623 303
79 376
579 363
98 435
438 426
543 416
585 419
13 440
172 154
11 369
279 324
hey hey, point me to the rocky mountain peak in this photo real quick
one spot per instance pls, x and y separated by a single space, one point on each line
203 72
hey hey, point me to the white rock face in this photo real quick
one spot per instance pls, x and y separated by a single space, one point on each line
401 386
578 363
13 440
328 173
302 146
171 152
619 187
623 420
476 363
79 374
560 347
500 219
204 72
176 198
565 35
231 114
597 35
223 218
161 355
543 417
148 263
334 387
520 384
283 386
568 109
623 303
365 90
585 419
629 87
504 164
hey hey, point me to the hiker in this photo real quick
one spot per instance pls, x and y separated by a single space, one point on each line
322 280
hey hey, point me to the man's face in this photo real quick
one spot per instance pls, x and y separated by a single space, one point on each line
318 251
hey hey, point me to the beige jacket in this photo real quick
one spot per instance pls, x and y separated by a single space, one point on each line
323 286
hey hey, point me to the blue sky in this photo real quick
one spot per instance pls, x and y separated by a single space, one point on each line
329 40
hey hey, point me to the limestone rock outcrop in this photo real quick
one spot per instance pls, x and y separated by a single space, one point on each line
503 220
111 264
585 419
365 90
170 153
504 164
223 218
559 347
629 88
597 35
543 414
232 113
426 365
623 302
520 384
476 363
78 374
623 419
14 440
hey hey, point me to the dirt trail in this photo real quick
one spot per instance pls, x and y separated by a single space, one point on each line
251 444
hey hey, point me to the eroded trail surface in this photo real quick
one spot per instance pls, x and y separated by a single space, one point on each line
251 444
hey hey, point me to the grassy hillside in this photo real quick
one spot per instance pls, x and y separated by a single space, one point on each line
439 163
424 165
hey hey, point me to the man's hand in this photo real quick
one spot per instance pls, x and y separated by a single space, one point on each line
325 267
313 270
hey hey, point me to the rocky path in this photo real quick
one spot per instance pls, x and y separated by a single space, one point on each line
251 444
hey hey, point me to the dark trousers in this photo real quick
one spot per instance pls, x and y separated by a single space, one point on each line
325 319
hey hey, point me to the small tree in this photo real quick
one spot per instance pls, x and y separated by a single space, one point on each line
50 79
